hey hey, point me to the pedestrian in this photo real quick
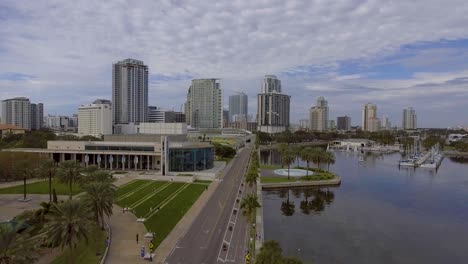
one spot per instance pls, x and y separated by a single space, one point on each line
137 238
107 242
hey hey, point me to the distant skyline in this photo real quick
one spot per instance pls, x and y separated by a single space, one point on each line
394 54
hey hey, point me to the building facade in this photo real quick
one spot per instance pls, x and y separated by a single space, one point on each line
159 115
17 112
409 118
343 123
304 124
61 123
129 92
95 119
370 122
37 116
204 105
238 107
273 107
319 115
386 124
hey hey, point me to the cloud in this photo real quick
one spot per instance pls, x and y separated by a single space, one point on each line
69 46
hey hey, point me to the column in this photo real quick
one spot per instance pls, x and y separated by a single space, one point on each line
147 162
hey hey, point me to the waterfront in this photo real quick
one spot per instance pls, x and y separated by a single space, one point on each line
379 214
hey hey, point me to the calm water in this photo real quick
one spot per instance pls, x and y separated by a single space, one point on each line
379 214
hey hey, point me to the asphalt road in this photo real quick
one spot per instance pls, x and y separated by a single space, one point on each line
203 241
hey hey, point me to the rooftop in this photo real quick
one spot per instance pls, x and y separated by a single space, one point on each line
10 127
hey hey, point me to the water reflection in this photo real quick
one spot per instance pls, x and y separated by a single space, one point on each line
312 200
459 159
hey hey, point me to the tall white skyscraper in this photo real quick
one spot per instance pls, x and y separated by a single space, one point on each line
370 122
386 124
129 92
204 105
410 120
17 112
95 119
273 106
319 115
238 107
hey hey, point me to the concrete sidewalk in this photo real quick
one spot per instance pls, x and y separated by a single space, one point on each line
124 248
166 247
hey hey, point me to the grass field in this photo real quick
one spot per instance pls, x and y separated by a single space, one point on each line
165 220
173 198
129 187
128 201
41 187
85 254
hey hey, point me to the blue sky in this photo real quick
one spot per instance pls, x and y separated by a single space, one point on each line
392 53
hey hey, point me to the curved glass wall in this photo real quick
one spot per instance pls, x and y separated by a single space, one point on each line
191 159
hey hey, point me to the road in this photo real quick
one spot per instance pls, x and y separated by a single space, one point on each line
203 241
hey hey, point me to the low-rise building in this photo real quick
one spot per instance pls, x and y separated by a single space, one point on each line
6 129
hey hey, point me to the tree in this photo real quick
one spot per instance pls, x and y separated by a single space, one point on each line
317 155
297 150
69 172
96 176
26 170
69 223
16 246
100 198
270 253
329 158
43 211
251 177
250 204
48 169
288 157
308 155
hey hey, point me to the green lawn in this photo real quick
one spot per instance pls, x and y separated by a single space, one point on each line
127 201
270 167
130 187
265 179
41 187
85 254
143 209
164 221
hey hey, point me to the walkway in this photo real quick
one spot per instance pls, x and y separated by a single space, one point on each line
10 206
123 248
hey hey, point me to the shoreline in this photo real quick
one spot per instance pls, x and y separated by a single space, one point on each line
320 183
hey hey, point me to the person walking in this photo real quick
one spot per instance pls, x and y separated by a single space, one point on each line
137 238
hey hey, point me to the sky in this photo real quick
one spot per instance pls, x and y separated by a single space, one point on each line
391 53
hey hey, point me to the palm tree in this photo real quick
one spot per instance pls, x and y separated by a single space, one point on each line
100 198
251 178
270 253
69 224
250 204
48 169
69 172
282 149
297 150
43 211
329 158
307 154
95 176
25 169
15 244
288 157
317 156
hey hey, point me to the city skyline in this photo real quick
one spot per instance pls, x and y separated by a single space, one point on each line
422 54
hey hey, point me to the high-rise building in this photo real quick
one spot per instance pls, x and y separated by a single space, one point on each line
95 119
204 105
271 84
37 116
159 115
273 106
370 122
17 112
343 123
385 123
319 115
331 124
129 92
61 123
238 107
409 118
304 124
225 115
